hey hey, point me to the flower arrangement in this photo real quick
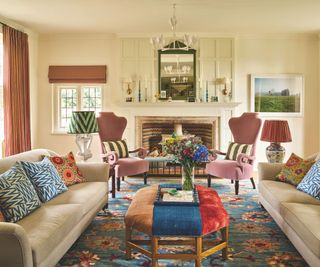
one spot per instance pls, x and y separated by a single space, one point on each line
188 151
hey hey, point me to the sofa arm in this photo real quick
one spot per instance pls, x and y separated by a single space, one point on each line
268 171
95 171
15 247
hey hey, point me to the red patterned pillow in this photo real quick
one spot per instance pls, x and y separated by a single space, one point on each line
67 169
294 170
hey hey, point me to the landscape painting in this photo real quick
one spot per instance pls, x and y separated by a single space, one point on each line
277 94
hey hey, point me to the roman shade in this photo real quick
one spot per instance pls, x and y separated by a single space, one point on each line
78 74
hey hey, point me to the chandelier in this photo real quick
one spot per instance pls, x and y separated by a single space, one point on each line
184 43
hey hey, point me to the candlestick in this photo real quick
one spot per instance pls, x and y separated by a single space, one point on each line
207 92
139 94
145 94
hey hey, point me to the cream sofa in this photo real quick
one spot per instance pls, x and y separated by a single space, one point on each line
296 213
45 235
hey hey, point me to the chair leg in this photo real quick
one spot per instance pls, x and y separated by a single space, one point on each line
113 188
253 184
145 177
232 181
118 183
236 187
209 180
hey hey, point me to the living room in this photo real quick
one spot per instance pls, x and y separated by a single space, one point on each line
235 44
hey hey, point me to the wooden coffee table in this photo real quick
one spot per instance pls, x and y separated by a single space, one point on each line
139 217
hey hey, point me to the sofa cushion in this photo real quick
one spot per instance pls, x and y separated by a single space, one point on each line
277 192
18 198
304 219
67 169
48 226
86 194
294 170
32 155
311 182
45 179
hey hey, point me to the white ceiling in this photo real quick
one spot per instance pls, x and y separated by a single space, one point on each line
145 16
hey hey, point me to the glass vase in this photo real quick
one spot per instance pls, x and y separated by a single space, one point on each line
187 181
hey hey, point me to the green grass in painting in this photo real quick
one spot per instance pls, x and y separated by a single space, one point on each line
277 103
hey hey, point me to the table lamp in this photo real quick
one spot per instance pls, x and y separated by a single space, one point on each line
275 132
83 124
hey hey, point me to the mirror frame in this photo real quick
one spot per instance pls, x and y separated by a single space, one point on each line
189 98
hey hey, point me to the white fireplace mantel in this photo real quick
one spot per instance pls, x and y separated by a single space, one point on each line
224 111
178 104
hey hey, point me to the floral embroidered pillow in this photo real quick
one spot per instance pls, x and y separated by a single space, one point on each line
294 170
67 169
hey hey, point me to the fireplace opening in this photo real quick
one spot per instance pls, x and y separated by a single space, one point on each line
150 130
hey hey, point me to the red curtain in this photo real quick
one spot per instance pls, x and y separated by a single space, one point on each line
16 92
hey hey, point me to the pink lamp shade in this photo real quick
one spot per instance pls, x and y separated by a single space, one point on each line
276 131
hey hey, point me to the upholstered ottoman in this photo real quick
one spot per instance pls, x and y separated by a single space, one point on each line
212 218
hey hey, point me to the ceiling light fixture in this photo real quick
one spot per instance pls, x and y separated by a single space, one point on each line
174 44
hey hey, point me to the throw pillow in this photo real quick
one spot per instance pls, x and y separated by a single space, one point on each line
18 198
294 170
45 178
120 147
67 169
235 149
311 182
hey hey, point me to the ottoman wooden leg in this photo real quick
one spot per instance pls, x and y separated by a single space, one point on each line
155 251
224 235
128 248
198 261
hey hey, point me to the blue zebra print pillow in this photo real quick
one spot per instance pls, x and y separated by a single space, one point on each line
311 182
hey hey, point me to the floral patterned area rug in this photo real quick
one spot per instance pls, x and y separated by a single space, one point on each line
254 238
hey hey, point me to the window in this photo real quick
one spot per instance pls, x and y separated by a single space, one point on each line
74 97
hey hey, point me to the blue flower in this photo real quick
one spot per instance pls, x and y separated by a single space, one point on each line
201 154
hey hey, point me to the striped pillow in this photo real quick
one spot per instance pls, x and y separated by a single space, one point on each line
118 146
235 149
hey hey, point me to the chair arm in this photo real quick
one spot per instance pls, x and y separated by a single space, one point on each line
142 152
213 154
245 159
94 171
15 247
268 171
111 157
215 151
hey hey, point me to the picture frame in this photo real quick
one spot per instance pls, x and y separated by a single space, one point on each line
277 94
163 94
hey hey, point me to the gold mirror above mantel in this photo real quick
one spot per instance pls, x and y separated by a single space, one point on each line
177 72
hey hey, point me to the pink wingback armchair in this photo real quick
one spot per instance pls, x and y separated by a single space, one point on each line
111 128
245 130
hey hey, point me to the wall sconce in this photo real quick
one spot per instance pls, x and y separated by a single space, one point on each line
225 92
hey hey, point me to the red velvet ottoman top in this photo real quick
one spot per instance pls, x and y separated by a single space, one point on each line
213 214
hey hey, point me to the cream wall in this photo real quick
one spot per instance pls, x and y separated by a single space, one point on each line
72 50
252 55
283 54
